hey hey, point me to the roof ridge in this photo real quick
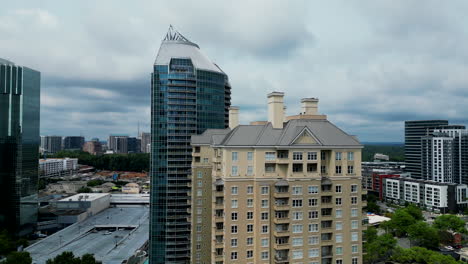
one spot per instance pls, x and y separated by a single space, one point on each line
261 133
283 132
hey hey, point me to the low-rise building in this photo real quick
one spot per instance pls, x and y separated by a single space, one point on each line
57 167
131 188
65 187
430 195
85 204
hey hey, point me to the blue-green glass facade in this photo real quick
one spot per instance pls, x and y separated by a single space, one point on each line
186 100
19 147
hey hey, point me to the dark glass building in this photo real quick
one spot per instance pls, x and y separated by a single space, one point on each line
133 145
19 147
73 142
189 94
414 131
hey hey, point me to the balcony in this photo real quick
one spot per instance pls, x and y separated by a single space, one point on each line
281 256
281 189
282 246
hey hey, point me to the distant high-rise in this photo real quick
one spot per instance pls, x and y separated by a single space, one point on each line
118 143
189 95
133 145
93 147
51 144
414 131
145 141
19 144
73 142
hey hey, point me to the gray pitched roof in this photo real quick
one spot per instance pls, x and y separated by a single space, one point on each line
175 45
325 133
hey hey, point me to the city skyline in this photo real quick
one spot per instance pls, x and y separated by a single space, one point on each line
375 74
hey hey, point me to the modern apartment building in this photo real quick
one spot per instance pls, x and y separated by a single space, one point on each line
434 196
414 131
73 142
286 190
189 94
57 167
145 141
51 144
118 143
19 144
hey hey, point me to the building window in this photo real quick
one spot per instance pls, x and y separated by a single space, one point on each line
312 155
338 213
199 193
297 155
249 253
233 255
264 216
205 160
338 226
249 215
265 203
249 202
264 255
200 183
264 189
354 224
234 156
354 212
338 169
313 214
297 254
234 229
323 155
338 201
350 169
270 155
313 202
234 203
297 241
338 189
234 242
313 240
199 210
234 216
354 188
354 236
264 242
264 229
249 170
234 171
250 189
350 156
313 253
312 167
200 174
313 227
249 155
339 250
313 189
354 249
269 168
297 215
249 228
297 168
297 228
339 238
354 200
296 190
337 155
323 169
297 203
234 190
249 241
354 260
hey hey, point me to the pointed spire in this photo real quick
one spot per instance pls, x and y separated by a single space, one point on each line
174 35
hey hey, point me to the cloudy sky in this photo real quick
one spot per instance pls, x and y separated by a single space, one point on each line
372 64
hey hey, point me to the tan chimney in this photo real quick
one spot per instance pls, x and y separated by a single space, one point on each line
275 109
309 106
233 116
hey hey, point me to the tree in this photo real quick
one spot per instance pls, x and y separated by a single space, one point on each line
415 212
422 256
67 257
18 258
379 248
84 190
93 183
424 235
373 207
450 222
6 244
400 222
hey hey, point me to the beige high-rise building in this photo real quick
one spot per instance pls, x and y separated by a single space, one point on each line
286 190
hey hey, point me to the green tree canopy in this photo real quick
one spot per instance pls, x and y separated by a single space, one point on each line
68 258
18 258
450 222
400 222
421 256
424 235
84 190
415 212
378 248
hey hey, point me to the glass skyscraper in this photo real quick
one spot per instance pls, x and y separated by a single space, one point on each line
19 147
189 94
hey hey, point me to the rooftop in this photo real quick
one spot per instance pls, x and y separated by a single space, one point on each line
84 197
3 61
129 227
